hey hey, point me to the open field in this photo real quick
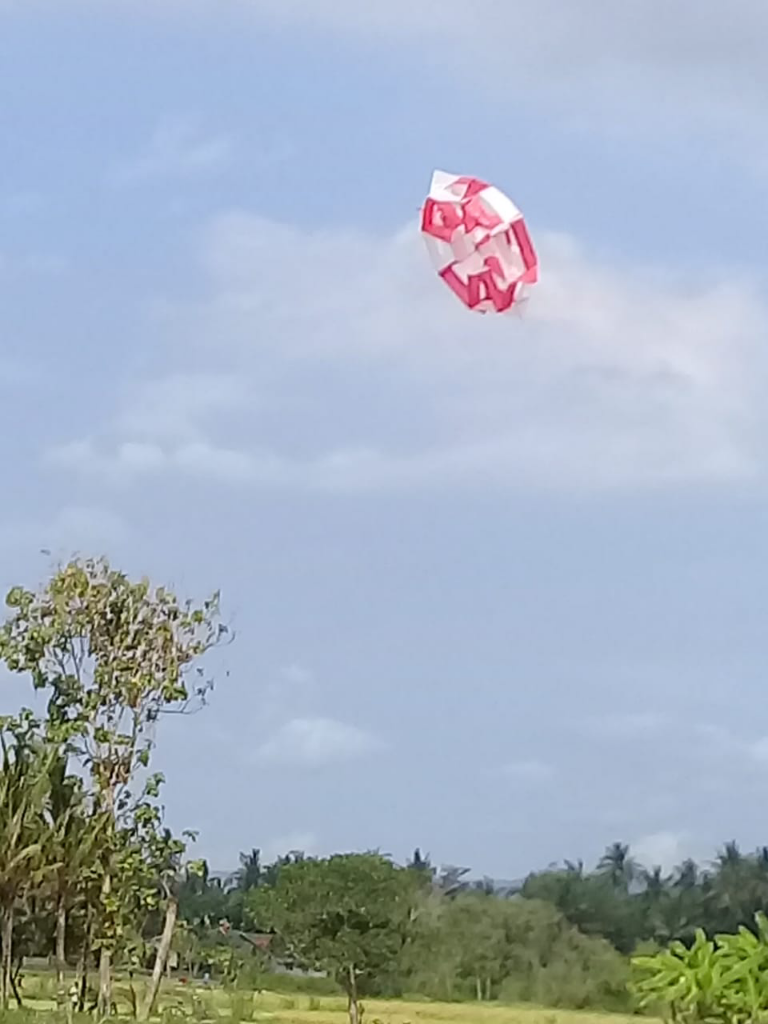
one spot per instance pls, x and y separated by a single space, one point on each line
198 1003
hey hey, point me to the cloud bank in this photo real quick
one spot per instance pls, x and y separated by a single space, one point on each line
615 376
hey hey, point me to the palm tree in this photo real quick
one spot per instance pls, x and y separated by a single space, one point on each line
686 875
618 866
732 888
420 862
730 856
654 881
249 874
449 880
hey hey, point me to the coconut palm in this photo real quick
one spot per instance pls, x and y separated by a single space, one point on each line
618 866
249 874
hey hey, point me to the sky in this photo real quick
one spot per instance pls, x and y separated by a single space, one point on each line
497 583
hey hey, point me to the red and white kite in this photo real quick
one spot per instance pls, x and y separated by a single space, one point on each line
478 242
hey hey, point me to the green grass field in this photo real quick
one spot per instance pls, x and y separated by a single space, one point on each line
196 1003
326 1010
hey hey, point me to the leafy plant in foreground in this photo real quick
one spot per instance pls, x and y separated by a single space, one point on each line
724 979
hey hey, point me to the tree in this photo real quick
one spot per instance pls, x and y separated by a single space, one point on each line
24 784
593 902
516 949
73 840
421 863
250 872
480 922
167 853
348 915
449 879
113 655
617 864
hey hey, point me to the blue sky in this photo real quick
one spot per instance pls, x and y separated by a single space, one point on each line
498 583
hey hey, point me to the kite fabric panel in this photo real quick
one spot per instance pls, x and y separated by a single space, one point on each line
478 242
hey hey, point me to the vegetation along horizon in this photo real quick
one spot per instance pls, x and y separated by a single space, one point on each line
105 912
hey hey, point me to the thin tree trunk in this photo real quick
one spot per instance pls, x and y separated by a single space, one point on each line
82 976
61 952
7 962
105 962
104 1004
134 998
352 1008
161 959
14 986
479 989
82 985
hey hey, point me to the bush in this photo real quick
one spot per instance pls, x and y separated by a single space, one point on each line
516 950
721 980
289 984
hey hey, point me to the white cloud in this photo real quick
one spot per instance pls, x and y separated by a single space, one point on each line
132 460
318 741
738 751
662 849
178 148
171 407
636 64
614 376
666 63
295 675
759 750
72 528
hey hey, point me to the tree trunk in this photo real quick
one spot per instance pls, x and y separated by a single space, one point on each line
352 1007
15 982
61 952
105 962
161 959
82 976
6 971
104 1004
479 989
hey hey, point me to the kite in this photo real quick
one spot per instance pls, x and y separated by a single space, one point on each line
478 243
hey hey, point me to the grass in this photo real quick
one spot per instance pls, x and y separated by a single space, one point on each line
314 1010
195 1003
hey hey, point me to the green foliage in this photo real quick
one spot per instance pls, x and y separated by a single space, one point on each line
479 946
89 872
112 655
721 980
629 906
597 904
24 784
348 915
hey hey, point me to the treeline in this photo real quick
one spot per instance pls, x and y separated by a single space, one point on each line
372 927
91 878
633 906
562 937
